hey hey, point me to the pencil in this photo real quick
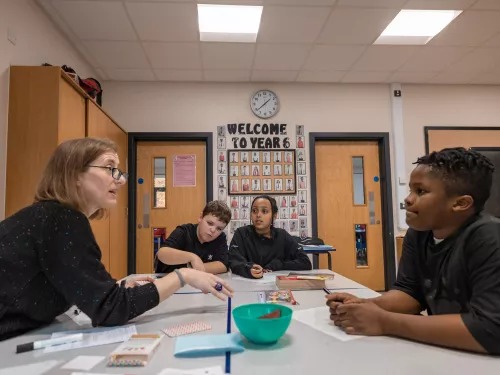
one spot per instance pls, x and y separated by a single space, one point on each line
327 291
228 354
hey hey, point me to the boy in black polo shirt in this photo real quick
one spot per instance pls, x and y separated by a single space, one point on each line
202 245
260 246
450 264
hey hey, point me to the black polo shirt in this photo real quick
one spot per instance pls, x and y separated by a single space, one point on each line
184 238
280 252
459 275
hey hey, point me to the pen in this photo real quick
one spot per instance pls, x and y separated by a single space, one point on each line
327 291
49 342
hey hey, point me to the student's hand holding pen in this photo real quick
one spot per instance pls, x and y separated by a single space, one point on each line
257 271
334 300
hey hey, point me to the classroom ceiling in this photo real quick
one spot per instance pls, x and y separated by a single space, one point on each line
298 41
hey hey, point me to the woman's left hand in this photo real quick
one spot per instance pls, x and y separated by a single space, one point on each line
137 281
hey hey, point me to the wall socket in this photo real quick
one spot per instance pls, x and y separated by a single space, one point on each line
11 36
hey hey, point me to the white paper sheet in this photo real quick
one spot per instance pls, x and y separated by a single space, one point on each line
319 318
83 362
94 337
217 370
361 293
38 368
267 278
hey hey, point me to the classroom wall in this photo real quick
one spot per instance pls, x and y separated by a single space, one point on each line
190 107
445 105
38 41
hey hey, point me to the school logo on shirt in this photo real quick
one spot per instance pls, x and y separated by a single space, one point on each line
210 257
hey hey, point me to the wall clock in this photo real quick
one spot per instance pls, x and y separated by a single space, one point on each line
264 104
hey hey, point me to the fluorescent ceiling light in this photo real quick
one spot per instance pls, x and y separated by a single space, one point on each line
229 23
416 26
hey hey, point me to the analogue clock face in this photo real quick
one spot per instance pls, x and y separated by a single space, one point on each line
264 104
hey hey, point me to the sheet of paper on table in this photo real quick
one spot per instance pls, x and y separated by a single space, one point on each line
217 370
94 337
38 368
267 278
319 319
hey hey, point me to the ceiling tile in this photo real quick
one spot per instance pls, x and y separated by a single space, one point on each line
317 76
178 75
109 20
372 3
480 60
280 56
411 77
227 75
493 42
227 55
384 58
435 59
487 5
453 77
130 74
291 24
301 2
166 22
273 76
173 55
471 28
439 4
324 57
356 26
119 55
365 77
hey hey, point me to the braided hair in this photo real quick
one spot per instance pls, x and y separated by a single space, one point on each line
463 172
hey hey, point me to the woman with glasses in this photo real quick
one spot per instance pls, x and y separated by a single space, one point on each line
49 258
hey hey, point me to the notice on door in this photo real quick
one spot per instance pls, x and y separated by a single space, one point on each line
184 170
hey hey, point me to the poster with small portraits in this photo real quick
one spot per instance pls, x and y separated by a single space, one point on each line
244 213
221 131
235 214
300 129
302 196
221 181
293 201
293 213
283 201
246 201
302 182
234 225
303 223
284 213
301 155
301 168
260 172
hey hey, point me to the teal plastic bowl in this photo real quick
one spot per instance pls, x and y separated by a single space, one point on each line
262 331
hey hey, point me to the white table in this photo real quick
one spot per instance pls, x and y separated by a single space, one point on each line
302 350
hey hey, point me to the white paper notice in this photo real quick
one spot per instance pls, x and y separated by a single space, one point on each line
184 170
267 278
94 337
38 368
83 362
319 318
217 370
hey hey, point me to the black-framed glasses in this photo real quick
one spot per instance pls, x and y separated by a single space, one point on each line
115 172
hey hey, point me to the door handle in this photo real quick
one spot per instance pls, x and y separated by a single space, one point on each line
371 207
145 210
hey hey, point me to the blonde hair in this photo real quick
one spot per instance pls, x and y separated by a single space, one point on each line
69 160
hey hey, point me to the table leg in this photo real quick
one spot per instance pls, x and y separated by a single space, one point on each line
329 261
315 261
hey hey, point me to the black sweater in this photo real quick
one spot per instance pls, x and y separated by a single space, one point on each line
49 261
280 252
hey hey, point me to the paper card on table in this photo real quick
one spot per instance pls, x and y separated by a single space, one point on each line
38 368
186 329
267 278
208 345
94 337
217 370
319 318
83 362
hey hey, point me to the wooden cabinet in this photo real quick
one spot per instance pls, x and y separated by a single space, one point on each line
46 107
